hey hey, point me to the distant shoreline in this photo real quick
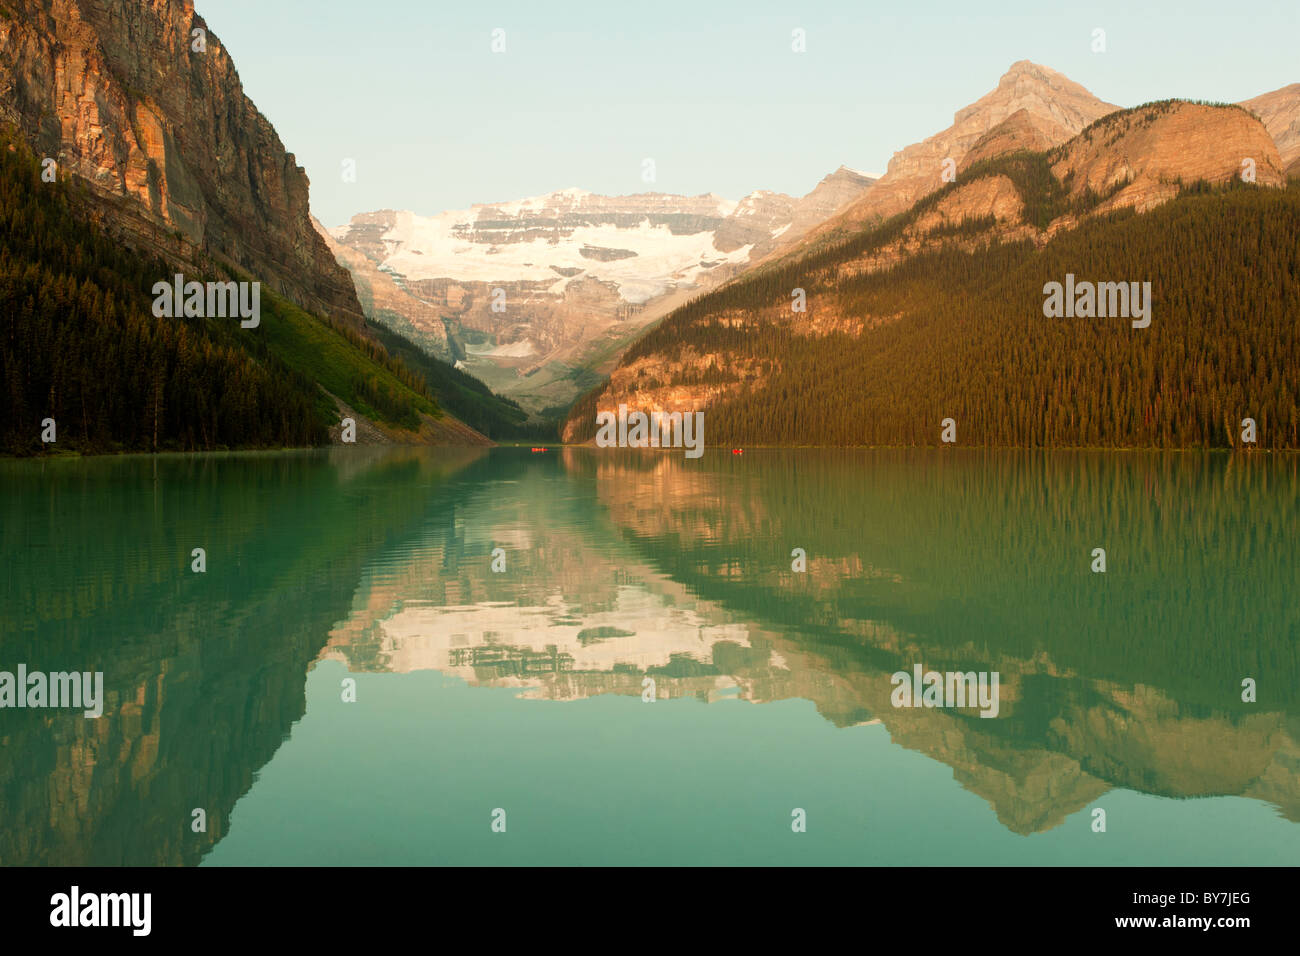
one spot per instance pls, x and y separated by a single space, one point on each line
172 453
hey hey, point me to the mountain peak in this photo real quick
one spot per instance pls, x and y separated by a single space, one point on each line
1040 90
1054 107
1028 68
1026 72
846 174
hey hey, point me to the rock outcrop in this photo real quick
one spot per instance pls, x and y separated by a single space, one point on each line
1152 149
143 102
1279 111
1021 130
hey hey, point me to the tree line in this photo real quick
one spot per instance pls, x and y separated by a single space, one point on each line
970 340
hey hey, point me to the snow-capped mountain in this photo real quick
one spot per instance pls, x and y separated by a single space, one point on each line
539 295
645 245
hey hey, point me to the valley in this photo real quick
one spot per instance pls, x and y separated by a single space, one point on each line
571 448
539 297
522 320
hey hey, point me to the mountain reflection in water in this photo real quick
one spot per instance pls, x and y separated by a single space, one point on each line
622 566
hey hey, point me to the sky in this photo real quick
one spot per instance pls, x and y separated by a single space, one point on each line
412 92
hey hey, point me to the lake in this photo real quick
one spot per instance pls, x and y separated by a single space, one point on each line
423 656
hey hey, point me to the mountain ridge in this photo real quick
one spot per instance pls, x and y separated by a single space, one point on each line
579 274
1060 106
743 353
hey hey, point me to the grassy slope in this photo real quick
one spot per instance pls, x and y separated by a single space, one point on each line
342 366
465 396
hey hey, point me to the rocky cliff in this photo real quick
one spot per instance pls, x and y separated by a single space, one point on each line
1279 111
1021 130
143 102
1156 149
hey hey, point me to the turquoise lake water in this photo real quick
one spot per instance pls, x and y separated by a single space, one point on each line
516 695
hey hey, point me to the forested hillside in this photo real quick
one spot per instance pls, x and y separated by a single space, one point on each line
80 345
959 332
465 396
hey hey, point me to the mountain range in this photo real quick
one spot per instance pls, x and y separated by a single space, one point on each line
922 300
131 154
580 275
921 288
1032 107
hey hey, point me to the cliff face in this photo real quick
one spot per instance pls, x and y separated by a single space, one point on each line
1021 130
123 94
1279 111
1157 148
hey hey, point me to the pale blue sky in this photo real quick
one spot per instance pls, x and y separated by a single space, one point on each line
712 92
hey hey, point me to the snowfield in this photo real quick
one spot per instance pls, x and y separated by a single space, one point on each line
471 245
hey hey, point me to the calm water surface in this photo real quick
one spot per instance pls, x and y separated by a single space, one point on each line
522 690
